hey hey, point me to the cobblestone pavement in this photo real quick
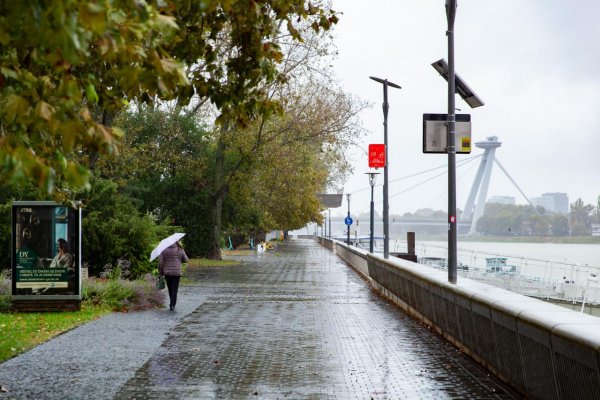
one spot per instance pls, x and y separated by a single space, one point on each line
300 324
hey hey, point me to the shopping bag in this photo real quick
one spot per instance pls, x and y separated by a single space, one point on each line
161 283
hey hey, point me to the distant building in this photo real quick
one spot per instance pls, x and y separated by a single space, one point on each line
553 202
595 229
502 200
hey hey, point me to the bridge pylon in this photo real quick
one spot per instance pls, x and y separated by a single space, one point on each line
472 210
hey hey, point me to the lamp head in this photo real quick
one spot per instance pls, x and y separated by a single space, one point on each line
464 91
372 177
385 82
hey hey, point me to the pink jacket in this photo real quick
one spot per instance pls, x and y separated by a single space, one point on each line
169 261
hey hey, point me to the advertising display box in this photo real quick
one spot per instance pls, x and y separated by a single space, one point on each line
435 133
46 256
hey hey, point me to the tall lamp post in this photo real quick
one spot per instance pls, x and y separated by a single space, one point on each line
372 181
386 216
348 225
451 143
455 84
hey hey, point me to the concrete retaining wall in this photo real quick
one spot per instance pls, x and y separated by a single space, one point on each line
543 350
356 258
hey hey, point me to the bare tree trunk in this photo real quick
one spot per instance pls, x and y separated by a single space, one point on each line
214 251
220 190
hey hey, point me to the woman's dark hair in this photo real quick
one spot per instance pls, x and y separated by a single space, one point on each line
63 245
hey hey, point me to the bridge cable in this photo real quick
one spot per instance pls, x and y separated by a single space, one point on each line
445 192
458 164
462 162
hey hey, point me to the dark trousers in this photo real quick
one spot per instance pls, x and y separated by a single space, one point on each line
173 286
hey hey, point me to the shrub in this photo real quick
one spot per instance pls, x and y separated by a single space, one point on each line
5 291
123 295
92 290
146 295
119 295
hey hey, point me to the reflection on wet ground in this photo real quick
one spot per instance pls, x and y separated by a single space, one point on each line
300 324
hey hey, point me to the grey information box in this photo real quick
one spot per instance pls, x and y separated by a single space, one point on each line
435 133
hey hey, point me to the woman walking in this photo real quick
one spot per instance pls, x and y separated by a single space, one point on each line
169 265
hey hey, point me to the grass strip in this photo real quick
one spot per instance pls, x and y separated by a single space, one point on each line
23 331
203 262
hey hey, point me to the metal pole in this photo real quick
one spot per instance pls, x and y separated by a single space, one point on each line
372 220
348 237
451 142
329 209
386 216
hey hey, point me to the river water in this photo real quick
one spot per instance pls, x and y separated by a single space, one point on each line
581 254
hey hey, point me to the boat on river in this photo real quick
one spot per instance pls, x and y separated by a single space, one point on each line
498 265
440 263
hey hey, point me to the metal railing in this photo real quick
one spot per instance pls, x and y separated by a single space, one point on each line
528 276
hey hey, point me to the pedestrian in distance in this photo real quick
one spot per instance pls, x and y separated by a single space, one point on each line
169 265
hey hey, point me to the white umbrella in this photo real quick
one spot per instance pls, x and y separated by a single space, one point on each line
164 244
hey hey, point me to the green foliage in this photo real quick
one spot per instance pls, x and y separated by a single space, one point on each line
165 166
581 218
69 67
92 290
5 235
520 220
66 64
559 224
274 168
251 35
115 230
8 194
118 295
124 295
65 60
5 291
5 303
579 229
206 263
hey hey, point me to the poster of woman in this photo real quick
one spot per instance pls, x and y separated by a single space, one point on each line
46 246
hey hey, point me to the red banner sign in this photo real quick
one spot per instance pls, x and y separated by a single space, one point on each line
376 155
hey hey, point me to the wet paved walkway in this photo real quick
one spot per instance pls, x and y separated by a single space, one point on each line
300 324
295 324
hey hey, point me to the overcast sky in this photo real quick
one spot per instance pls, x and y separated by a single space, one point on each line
535 64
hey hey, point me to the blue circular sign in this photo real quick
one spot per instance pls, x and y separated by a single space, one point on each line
348 221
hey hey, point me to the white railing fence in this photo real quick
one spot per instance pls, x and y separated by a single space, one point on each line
529 276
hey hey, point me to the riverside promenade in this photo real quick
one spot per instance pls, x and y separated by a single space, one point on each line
297 323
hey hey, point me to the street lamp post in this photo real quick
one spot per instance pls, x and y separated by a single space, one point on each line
451 143
348 225
372 181
455 85
386 216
